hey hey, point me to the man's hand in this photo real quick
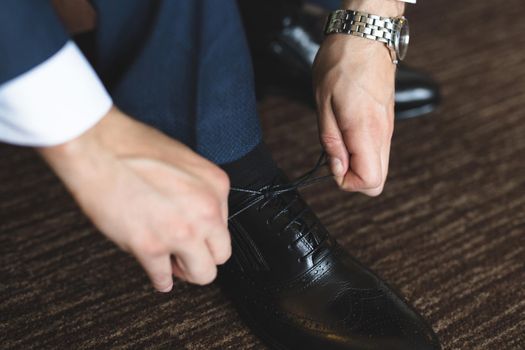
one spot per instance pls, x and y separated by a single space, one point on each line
151 195
354 80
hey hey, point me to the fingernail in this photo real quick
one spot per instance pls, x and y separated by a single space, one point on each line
337 167
167 289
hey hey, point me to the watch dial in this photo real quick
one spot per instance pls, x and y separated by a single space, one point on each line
402 38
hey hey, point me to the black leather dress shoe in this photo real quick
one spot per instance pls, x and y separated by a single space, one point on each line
297 289
284 42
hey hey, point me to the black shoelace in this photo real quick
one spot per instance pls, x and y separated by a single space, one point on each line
272 192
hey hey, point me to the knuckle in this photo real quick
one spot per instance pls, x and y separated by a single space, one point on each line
152 248
146 244
223 181
182 233
208 206
224 254
206 276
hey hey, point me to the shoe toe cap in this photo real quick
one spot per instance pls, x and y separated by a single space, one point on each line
382 320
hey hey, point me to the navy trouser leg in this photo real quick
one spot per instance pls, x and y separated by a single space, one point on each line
331 5
183 67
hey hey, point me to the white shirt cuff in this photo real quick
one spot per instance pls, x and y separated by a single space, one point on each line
53 102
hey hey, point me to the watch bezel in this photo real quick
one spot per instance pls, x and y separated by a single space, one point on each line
401 37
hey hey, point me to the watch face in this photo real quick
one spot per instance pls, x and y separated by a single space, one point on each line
402 38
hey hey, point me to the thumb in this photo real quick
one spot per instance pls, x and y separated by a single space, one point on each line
333 143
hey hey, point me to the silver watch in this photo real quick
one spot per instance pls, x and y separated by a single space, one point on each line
393 32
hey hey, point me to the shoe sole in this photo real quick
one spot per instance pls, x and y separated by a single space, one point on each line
416 112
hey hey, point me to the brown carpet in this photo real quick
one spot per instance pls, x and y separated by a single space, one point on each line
448 230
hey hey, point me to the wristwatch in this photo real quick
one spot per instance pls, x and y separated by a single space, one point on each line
393 32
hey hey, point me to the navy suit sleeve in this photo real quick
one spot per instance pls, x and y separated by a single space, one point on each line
30 33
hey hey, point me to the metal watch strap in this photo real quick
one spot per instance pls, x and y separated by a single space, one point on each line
363 25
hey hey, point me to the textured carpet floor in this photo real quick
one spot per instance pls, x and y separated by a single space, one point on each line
449 230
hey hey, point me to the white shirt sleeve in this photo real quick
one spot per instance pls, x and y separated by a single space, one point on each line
53 102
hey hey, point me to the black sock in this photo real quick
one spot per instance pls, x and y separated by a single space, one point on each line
253 170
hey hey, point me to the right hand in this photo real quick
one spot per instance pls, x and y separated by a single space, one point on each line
151 195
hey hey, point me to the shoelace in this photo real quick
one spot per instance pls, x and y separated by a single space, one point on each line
272 192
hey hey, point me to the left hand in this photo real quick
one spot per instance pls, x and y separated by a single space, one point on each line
354 81
354 86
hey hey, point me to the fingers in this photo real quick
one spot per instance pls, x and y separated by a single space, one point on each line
221 186
366 166
158 269
332 141
196 263
200 246
219 245
385 161
384 153
177 271
365 144
218 182
355 98
356 157
212 226
358 142
187 219
218 236
194 259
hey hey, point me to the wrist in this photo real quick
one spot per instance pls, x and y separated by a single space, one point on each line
100 137
76 160
68 152
384 8
358 51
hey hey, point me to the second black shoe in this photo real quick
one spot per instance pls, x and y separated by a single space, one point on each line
284 39
298 289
